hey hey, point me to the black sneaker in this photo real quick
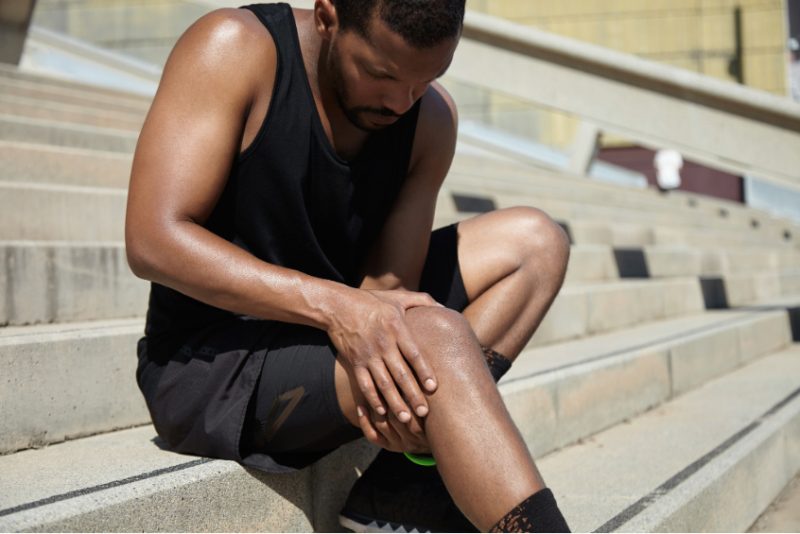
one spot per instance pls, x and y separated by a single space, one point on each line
394 495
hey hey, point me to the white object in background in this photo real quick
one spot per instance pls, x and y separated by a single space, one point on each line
668 164
794 68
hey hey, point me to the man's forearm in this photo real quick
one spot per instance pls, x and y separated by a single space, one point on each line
210 269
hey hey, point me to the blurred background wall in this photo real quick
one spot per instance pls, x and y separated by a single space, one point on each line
740 41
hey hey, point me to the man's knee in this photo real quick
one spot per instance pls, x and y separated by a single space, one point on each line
444 336
537 232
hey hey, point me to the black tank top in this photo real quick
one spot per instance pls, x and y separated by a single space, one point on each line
290 200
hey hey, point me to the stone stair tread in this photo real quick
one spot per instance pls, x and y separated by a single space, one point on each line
548 358
134 453
69 126
57 331
650 475
80 96
13 74
139 466
124 480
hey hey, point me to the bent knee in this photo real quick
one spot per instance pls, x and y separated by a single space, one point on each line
538 237
443 334
437 320
537 228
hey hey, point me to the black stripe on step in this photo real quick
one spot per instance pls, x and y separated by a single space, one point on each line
101 487
794 321
642 504
473 204
714 294
631 263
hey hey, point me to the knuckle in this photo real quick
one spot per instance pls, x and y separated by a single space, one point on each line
383 383
402 376
413 355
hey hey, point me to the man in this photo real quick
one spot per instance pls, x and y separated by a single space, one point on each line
281 202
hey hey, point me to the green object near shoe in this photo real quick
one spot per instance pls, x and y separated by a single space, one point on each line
420 459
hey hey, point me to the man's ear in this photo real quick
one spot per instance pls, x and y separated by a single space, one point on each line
325 18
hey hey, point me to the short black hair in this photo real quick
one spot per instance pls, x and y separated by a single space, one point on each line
422 23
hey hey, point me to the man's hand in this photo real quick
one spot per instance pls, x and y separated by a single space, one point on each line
371 335
387 432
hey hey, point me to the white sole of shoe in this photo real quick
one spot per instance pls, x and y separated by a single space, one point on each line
373 526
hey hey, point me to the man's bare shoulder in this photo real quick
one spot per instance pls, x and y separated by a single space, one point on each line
438 109
229 44
437 127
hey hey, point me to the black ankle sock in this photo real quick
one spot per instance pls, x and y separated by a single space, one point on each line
498 364
537 513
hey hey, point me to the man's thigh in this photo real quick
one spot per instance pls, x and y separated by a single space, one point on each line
295 407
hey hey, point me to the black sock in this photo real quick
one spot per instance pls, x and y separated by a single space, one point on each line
537 513
498 364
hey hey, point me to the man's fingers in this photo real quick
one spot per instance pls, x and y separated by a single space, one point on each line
414 356
367 388
405 379
370 432
386 386
413 299
409 436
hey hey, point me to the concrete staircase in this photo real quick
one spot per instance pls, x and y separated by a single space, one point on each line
660 393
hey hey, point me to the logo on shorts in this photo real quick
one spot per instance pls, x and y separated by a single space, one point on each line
293 398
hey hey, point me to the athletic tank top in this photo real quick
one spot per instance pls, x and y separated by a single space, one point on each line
290 200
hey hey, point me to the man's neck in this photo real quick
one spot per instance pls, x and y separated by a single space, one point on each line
345 137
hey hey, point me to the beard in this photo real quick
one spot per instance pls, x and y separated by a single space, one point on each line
357 115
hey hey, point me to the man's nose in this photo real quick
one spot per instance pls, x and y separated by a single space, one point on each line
401 99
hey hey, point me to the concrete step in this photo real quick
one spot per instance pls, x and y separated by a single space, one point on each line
642 233
787 237
591 263
562 393
783 515
710 461
12 74
741 289
46 282
723 208
604 262
142 486
81 96
66 381
117 348
13 128
30 162
566 200
69 113
584 309
60 212
514 177
594 231
86 280
123 481
562 190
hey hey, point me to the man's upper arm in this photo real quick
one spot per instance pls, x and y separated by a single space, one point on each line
194 127
397 259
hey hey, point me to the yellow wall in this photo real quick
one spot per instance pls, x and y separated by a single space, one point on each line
693 34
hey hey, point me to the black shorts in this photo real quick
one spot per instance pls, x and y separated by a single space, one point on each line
294 417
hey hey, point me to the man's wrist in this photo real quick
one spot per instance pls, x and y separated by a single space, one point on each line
325 300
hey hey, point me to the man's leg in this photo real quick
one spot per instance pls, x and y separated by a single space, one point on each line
480 454
512 263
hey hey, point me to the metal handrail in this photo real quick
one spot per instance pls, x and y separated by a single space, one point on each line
759 133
